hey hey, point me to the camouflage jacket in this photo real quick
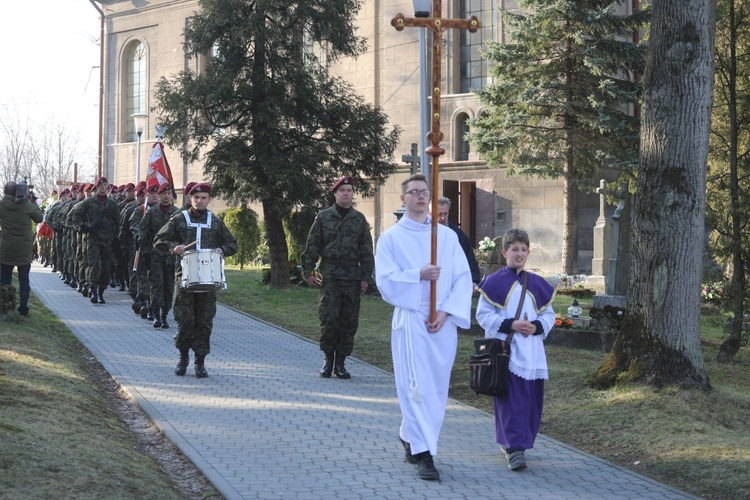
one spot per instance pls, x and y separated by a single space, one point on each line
178 232
150 225
126 236
98 219
135 222
52 217
343 245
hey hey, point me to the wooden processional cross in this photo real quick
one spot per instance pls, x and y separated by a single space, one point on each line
437 24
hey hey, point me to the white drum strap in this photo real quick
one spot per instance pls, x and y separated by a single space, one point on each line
198 227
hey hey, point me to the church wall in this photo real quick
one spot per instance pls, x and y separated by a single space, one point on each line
386 75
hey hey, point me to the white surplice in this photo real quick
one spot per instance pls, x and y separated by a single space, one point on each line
422 361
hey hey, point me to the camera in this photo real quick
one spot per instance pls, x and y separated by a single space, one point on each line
24 191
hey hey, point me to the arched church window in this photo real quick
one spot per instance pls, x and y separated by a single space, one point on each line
473 70
135 87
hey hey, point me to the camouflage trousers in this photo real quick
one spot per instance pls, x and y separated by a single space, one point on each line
161 283
100 261
194 313
139 280
338 310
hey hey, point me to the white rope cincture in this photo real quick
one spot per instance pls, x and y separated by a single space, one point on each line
198 227
402 323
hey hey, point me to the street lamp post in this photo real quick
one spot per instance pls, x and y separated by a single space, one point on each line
140 126
437 24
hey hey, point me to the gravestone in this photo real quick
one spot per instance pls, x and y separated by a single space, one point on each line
602 244
608 309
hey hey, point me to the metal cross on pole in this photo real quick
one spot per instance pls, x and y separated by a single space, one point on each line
437 24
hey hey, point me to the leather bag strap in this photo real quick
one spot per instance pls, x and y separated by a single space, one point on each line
520 303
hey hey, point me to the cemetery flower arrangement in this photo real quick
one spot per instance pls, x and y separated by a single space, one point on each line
569 280
484 251
562 321
486 245
712 291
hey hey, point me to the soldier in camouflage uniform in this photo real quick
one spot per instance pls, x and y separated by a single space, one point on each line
74 253
340 237
127 242
195 311
97 218
162 268
54 222
144 259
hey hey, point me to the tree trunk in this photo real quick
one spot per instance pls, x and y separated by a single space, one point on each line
569 253
659 341
277 248
731 345
570 247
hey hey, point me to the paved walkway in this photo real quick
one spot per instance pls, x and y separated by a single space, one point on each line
264 425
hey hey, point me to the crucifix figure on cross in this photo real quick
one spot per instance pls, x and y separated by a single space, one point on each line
437 24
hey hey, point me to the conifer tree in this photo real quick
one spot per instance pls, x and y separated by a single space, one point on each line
564 98
264 114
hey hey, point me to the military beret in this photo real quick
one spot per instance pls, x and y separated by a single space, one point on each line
152 185
64 192
141 184
141 190
129 186
100 181
201 187
89 186
188 187
164 187
344 180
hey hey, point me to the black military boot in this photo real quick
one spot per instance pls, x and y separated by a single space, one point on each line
157 317
183 363
100 295
74 283
94 296
85 290
164 323
136 306
327 368
79 287
339 369
145 312
67 279
200 369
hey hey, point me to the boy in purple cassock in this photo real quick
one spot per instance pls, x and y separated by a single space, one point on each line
518 413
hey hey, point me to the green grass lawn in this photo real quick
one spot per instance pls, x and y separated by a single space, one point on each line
60 435
696 441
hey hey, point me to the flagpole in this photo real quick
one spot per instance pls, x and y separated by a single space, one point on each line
438 25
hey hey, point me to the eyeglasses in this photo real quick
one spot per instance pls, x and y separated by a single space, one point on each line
418 192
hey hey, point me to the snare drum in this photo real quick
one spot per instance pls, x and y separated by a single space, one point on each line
203 271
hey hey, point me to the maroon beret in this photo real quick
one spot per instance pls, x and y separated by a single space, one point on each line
188 187
164 187
102 180
201 187
344 180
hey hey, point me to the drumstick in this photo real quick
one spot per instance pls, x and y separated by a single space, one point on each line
190 244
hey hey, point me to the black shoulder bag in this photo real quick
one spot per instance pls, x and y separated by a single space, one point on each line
488 368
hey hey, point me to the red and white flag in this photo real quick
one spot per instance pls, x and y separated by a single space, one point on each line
158 167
